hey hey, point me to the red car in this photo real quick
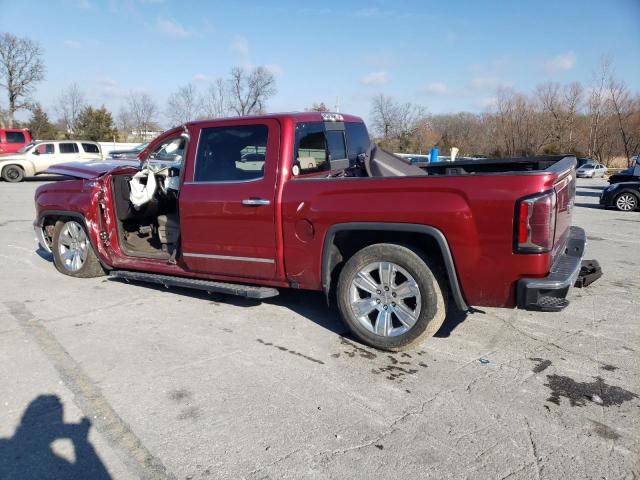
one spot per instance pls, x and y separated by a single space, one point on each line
305 201
13 139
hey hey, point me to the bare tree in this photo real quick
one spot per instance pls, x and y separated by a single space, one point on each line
318 107
69 105
124 124
624 108
249 91
21 67
596 104
215 101
183 105
559 106
142 110
394 121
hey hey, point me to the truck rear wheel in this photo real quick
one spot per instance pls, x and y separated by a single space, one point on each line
13 173
391 297
73 254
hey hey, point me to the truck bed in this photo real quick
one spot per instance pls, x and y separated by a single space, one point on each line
550 163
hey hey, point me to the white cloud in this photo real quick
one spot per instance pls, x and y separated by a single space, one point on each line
375 79
438 89
371 12
560 63
200 77
488 102
275 69
240 45
72 44
171 28
488 82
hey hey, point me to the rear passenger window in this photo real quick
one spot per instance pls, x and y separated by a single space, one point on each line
90 148
357 141
231 154
15 137
337 148
311 154
68 148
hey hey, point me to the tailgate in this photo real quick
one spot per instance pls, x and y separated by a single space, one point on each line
565 188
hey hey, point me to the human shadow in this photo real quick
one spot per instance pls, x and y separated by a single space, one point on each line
28 453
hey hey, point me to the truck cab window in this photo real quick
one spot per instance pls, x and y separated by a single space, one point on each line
231 154
337 149
44 148
357 141
311 154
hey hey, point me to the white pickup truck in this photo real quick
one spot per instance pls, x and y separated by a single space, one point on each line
36 157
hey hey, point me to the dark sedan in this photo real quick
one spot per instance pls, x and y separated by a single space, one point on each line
624 196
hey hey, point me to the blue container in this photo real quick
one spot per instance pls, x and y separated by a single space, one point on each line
434 154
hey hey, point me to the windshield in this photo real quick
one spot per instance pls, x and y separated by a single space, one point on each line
140 147
26 147
587 167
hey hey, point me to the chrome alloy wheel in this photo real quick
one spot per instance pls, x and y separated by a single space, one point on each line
73 246
626 202
385 299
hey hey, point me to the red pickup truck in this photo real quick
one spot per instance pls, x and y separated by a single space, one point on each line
305 201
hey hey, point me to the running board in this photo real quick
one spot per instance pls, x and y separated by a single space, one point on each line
249 291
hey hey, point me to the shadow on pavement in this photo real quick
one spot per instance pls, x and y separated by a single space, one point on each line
587 194
309 304
29 455
589 205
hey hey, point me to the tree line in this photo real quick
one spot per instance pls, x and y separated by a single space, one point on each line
600 120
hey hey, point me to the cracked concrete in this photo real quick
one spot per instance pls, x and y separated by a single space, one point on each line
215 387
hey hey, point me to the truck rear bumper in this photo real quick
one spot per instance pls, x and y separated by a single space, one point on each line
549 294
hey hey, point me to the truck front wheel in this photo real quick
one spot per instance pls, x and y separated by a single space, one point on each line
73 254
391 297
13 173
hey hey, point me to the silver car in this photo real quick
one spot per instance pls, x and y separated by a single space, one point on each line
591 170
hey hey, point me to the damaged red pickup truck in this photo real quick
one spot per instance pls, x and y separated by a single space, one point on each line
305 201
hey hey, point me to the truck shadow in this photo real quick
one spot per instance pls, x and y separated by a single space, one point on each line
29 454
308 304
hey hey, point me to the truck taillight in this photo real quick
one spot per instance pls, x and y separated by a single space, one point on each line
535 223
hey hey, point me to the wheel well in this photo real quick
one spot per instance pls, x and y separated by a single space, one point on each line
49 221
344 243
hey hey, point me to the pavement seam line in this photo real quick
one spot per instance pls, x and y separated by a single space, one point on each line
87 396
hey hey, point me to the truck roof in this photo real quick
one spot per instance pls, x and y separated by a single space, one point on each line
295 116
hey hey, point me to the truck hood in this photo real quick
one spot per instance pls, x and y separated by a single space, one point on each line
90 169
11 157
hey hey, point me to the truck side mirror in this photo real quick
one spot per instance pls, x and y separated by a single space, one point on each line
36 152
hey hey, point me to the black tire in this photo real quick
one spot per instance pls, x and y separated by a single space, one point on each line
13 173
433 293
629 205
91 266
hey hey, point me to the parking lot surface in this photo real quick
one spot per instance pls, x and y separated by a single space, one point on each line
132 381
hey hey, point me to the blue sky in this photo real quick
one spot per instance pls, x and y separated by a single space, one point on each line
446 56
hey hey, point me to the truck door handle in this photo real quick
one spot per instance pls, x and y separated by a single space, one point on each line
255 202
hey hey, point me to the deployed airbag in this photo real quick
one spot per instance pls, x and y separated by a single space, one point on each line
142 193
380 163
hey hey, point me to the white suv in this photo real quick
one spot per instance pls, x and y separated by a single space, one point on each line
36 157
